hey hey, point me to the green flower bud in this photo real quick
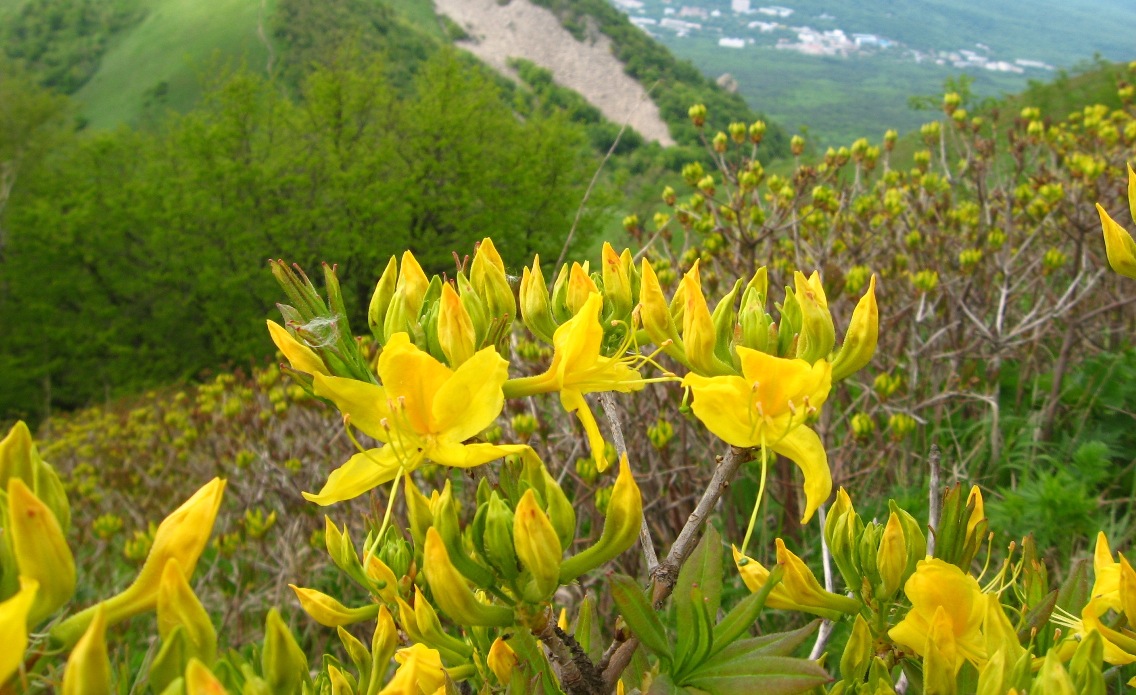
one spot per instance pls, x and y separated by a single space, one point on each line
498 537
381 299
283 664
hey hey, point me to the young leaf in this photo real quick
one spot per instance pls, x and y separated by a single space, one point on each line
744 614
759 673
636 610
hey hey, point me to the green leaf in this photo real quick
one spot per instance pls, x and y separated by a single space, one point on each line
1074 593
695 644
744 614
760 673
636 610
704 569
1038 616
776 644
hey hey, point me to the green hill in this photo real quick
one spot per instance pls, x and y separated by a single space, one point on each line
128 61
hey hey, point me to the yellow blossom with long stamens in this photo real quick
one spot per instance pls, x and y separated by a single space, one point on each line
578 367
422 411
767 406
940 586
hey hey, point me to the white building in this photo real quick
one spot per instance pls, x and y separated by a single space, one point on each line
775 11
726 42
740 6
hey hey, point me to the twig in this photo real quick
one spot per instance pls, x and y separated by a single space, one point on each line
608 402
577 674
666 574
935 500
826 627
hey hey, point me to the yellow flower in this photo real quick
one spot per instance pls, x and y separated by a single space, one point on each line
88 666
420 671
181 536
578 368
501 660
302 358
1118 243
767 407
698 335
798 590
939 585
423 410
14 627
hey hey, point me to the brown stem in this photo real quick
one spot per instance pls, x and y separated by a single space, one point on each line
619 654
576 672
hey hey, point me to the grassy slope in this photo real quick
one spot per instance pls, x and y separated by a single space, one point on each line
174 43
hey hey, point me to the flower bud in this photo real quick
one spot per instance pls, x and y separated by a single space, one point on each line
329 612
804 589
418 512
817 335
501 660
621 527
498 537
383 645
655 315
88 666
19 458
40 550
538 548
580 287
860 339
430 627
891 558
842 527
381 299
409 294
487 275
283 664
617 283
796 145
178 606
456 334
698 334
182 536
14 627
199 680
757 132
857 653
1118 245
301 357
536 310
697 115
451 591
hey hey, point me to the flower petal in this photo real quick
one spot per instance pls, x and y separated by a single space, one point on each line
470 455
412 377
577 341
300 356
724 405
365 404
362 472
804 448
779 380
574 401
471 399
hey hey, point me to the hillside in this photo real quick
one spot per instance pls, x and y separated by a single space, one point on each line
847 70
128 61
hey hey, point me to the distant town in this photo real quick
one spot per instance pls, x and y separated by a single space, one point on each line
743 24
